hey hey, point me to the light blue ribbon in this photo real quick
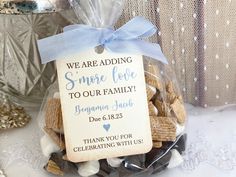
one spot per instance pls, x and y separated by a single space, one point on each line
79 38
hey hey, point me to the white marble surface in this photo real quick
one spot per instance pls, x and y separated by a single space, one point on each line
211 147
211 144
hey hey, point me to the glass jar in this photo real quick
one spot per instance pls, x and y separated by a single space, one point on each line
22 22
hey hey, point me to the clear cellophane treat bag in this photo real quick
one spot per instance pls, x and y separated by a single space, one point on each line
166 113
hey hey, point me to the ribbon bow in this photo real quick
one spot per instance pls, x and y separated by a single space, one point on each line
79 38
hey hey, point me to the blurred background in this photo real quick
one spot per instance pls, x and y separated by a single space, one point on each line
198 38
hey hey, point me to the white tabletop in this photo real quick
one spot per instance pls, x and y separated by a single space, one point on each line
211 147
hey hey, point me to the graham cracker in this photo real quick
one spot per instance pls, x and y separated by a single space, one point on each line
179 111
154 81
53 115
170 87
152 109
157 144
170 97
151 91
163 128
152 69
53 168
162 108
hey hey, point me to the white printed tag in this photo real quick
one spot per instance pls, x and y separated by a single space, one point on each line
104 105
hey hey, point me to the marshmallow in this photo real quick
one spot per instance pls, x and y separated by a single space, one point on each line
56 95
179 129
115 162
89 168
2 174
176 159
48 146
